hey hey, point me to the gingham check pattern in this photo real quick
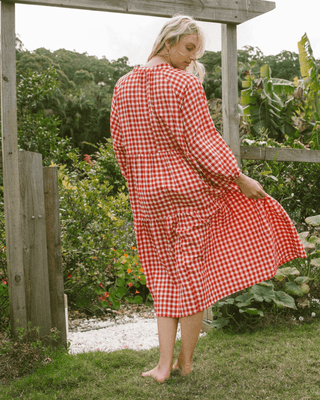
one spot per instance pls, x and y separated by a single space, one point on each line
199 238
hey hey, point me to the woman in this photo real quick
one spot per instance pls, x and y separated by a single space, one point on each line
204 230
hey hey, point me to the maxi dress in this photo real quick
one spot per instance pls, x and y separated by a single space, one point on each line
199 238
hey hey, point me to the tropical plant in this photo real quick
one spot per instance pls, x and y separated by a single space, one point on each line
310 86
287 290
311 242
268 103
311 79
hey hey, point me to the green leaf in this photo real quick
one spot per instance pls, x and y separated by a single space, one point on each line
266 283
304 235
306 58
219 323
121 282
305 289
286 272
315 262
314 239
262 293
143 280
283 299
116 304
252 311
82 303
293 288
302 279
138 300
99 291
244 299
120 292
222 303
313 221
104 304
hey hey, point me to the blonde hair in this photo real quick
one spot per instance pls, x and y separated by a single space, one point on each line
175 29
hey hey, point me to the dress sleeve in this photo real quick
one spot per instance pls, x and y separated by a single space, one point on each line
204 143
117 138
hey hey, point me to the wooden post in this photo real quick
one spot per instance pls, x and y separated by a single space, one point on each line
57 299
17 297
230 88
33 226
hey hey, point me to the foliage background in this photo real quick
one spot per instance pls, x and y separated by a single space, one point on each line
65 98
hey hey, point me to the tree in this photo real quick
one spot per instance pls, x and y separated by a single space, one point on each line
82 78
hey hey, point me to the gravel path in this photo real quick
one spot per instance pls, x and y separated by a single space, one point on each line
123 332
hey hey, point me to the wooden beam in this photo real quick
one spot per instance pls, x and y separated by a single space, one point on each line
279 154
271 154
221 11
230 115
10 158
56 287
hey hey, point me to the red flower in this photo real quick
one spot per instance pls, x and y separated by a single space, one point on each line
130 284
103 297
69 275
87 158
4 281
101 285
137 292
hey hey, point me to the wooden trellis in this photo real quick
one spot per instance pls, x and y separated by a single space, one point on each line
229 13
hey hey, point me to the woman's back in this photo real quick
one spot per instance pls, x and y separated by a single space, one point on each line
159 135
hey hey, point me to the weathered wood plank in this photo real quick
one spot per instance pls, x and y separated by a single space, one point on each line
10 157
230 114
34 244
279 154
55 270
223 11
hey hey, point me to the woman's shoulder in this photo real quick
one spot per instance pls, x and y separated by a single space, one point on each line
163 75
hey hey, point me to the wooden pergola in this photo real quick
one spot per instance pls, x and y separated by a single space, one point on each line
34 301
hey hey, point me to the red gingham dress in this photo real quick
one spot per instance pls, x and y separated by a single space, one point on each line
199 238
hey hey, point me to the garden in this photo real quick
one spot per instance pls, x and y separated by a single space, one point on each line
271 327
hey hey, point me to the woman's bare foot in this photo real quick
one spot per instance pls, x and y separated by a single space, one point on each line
183 369
158 373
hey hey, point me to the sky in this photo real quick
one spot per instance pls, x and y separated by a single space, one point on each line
116 35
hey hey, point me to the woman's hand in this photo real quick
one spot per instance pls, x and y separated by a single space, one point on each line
250 188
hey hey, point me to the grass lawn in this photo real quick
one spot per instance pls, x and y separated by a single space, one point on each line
273 363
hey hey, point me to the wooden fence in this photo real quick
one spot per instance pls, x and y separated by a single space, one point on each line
38 289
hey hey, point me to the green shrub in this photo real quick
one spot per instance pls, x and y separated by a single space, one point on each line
37 126
26 352
295 185
100 260
287 293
